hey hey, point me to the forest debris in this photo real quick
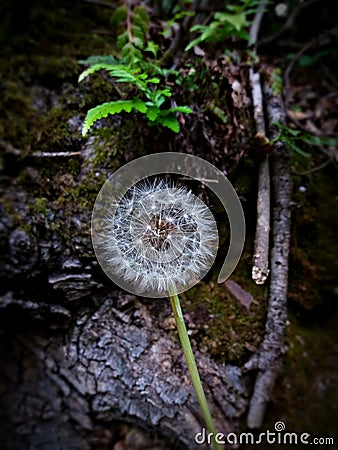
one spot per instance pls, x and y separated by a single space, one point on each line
8 148
238 95
55 154
268 360
260 269
239 293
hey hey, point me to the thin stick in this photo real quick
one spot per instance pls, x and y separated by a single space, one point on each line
55 154
269 359
260 269
189 356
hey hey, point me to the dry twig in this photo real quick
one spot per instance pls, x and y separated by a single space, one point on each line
260 269
55 154
268 360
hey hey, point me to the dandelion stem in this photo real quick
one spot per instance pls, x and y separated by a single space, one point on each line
189 356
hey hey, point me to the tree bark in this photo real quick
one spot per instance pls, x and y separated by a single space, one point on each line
115 361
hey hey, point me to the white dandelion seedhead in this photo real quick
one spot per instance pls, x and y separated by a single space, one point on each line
159 236
152 236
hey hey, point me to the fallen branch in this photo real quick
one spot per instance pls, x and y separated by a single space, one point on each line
260 269
269 358
55 154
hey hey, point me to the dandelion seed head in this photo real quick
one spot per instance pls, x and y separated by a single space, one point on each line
146 235
159 235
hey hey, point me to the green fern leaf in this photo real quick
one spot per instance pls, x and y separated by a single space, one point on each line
119 15
156 98
152 48
122 40
131 55
122 74
169 122
141 19
152 113
94 68
139 105
206 32
154 80
103 110
238 21
192 44
139 43
99 59
139 36
141 13
182 109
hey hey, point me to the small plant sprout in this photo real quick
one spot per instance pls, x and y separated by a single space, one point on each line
161 240
142 82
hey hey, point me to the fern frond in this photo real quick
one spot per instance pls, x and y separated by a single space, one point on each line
92 69
181 109
131 55
138 33
119 15
122 40
238 21
141 17
103 110
140 26
123 74
152 113
99 59
133 68
169 122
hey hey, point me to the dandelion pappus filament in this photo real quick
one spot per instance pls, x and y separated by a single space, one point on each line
160 235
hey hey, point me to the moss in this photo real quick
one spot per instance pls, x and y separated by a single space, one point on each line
41 204
223 326
47 62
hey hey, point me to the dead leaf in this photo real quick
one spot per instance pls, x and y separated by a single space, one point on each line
300 115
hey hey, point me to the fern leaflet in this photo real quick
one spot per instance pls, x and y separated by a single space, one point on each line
103 110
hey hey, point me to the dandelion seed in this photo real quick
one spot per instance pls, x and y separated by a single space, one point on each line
159 236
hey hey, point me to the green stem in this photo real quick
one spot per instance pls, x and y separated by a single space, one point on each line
189 356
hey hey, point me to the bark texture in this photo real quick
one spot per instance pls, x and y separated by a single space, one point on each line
70 371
